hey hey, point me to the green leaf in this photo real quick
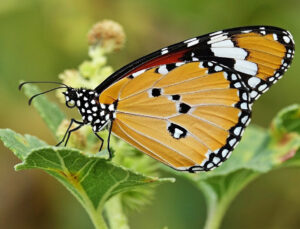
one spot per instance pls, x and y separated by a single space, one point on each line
92 180
259 152
19 145
49 111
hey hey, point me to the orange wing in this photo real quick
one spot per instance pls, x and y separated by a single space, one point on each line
261 57
189 116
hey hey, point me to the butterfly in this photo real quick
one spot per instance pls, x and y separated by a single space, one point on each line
188 104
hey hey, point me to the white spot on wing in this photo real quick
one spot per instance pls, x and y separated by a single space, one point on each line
138 73
253 82
177 133
235 53
179 64
247 67
216 33
217 38
218 68
262 87
244 119
224 152
237 85
190 40
210 165
192 43
286 39
253 94
216 160
237 131
163 70
111 107
164 51
246 31
244 106
232 142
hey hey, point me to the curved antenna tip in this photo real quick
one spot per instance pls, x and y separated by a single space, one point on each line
21 85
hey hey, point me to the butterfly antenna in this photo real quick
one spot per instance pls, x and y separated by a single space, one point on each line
22 84
31 98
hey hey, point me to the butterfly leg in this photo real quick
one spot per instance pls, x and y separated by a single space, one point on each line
68 131
101 139
108 142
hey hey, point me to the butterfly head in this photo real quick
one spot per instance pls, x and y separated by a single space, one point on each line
88 105
85 100
80 97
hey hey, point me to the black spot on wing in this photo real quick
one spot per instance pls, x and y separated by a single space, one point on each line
155 92
177 131
175 97
184 108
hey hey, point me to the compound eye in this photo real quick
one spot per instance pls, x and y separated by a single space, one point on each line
70 104
72 94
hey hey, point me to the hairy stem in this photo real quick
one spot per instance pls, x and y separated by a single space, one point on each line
116 217
220 193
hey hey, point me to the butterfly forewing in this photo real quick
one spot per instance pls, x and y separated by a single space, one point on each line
260 54
188 115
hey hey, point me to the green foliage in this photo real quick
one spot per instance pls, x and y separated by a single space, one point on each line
259 152
106 188
49 112
91 180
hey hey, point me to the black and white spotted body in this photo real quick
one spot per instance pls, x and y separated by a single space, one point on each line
96 114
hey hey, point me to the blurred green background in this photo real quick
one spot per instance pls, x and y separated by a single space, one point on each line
39 39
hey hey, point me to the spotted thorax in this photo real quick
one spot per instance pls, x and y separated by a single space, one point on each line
96 114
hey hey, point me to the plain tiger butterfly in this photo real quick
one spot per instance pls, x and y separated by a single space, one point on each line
186 105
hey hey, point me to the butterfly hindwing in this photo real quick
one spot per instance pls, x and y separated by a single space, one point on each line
188 115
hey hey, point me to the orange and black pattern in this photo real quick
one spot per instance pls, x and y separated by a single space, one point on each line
259 54
187 105
188 115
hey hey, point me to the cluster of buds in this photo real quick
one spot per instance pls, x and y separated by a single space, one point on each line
104 37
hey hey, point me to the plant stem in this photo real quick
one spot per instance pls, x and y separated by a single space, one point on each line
115 214
94 214
216 209
97 219
220 193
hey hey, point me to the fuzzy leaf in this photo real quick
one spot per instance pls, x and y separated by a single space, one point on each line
259 152
97 178
19 145
92 180
49 111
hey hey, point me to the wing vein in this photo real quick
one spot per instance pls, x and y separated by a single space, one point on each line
156 140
